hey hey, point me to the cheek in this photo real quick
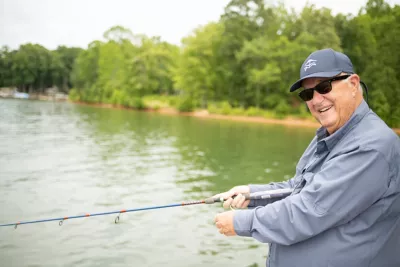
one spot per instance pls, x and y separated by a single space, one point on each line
331 97
341 98
310 106
343 105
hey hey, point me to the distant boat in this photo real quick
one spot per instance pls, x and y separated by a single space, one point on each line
21 95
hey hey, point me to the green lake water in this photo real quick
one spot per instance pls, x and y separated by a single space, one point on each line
62 159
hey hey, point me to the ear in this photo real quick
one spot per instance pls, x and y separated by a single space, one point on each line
355 82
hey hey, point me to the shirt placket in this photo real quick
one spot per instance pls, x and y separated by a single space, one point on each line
317 156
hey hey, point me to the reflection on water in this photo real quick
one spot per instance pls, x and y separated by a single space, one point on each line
60 159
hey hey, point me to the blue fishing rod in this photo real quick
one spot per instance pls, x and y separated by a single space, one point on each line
277 193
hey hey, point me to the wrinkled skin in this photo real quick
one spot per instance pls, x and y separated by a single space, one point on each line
334 109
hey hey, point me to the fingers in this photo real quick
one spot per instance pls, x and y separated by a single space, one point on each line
224 223
220 226
228 194
233 191
238 201
227 203
225 195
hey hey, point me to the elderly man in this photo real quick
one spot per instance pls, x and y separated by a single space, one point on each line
345 209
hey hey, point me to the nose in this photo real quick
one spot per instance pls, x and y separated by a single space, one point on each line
317 98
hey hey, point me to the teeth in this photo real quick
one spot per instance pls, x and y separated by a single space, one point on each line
323 110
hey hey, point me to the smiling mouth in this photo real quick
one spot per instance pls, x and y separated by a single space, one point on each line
322 110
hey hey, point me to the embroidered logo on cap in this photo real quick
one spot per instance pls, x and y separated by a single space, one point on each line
309 64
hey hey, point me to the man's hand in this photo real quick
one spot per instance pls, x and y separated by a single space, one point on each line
224 222
239 202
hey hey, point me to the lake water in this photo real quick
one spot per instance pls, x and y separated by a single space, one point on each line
62 159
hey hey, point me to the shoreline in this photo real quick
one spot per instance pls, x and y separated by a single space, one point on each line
204 114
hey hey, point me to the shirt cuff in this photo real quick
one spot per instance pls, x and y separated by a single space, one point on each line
243 221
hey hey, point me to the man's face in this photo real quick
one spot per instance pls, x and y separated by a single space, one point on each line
334 109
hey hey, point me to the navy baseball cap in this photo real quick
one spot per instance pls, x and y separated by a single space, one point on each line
323 63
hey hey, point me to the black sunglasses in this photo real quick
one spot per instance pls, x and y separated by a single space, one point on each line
322 88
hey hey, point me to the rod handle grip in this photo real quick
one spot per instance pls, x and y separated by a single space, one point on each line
212 200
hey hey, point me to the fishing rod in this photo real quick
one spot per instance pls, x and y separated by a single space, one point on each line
269 194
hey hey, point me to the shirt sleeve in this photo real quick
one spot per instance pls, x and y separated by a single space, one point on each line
345 186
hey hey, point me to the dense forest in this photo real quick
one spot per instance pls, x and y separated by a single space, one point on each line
243 63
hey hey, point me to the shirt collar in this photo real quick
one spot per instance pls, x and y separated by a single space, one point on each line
331 140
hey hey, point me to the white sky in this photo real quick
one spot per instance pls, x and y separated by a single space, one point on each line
79 22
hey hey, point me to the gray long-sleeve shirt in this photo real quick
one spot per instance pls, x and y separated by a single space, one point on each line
347 212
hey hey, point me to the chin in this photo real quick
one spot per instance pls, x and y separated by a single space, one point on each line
328 123
327 120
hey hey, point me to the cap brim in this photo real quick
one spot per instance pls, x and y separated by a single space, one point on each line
297 84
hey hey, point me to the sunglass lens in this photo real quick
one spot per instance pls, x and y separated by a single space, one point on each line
324 88
306 94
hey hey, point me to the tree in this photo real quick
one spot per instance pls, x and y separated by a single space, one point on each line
198 73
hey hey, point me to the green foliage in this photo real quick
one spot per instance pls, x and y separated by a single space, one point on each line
212 109
73 95
283 108
33 68
136 102
238 111
118 98
163 101
224 108
242 64
303 112
185 104
252 111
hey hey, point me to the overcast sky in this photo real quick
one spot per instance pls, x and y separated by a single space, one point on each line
79 22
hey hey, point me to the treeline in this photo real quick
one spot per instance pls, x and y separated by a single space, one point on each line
246 61
32 67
